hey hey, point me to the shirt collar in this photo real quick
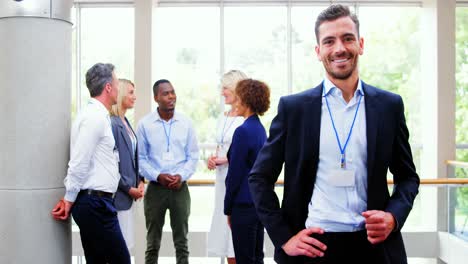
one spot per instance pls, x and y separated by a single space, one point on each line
329 87
157 117
99 105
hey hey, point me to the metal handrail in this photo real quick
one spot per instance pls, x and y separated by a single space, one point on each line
456 163
438 181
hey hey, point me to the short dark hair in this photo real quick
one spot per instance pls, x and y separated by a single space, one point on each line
156 85
97 77
332 13
254 94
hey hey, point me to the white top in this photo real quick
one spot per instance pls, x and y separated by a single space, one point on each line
225 129
93 156
219 240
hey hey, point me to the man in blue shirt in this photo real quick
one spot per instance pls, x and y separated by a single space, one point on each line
337 142
168 155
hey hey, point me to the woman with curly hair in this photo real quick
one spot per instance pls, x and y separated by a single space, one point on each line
247 230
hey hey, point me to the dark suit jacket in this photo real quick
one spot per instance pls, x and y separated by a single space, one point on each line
294 140
247 141
128 164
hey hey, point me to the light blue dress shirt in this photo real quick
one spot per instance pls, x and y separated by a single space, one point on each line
336 208
153 133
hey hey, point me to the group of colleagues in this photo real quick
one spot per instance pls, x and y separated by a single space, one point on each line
336 143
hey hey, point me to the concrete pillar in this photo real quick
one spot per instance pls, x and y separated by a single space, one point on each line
35 84
144 93
143 57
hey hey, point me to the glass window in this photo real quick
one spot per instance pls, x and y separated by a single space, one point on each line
307 70
391 60
186 52
255 43
461 79
459 203
107 35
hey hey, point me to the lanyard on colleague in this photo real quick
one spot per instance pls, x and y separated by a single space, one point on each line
224 132
168 135
342 149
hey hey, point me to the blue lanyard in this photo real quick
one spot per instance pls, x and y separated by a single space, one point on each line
223 132
168 136
342 149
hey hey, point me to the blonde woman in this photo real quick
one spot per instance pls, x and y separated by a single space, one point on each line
131 186
219 238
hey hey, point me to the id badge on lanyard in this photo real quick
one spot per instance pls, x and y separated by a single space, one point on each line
342 177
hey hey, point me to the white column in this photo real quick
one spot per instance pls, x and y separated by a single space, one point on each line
438 109
143 57
35 74
144 92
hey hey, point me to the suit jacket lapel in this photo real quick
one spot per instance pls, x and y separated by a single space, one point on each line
126 137
312 120
135 157
372 126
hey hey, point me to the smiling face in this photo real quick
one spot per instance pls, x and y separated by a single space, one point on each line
229 96
339 48
128 101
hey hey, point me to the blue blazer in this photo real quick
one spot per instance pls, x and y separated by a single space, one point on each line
128 164
247 141
294 141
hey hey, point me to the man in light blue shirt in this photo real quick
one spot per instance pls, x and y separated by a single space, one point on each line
337 142
168 155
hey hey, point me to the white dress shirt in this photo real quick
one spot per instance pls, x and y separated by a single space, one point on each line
93 157
338 208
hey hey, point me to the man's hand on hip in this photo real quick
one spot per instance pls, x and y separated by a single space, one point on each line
303 244
379 225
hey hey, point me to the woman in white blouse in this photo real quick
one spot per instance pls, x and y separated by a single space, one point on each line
219 238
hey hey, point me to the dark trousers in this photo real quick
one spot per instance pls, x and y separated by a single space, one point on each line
100 232
157 201
247 235
348 247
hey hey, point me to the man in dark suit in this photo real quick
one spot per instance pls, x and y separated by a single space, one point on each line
337 142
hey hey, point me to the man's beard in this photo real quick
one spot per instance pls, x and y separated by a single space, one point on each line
342 75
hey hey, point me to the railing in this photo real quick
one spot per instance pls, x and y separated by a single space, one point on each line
203 193
438 181
457 199
455 163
